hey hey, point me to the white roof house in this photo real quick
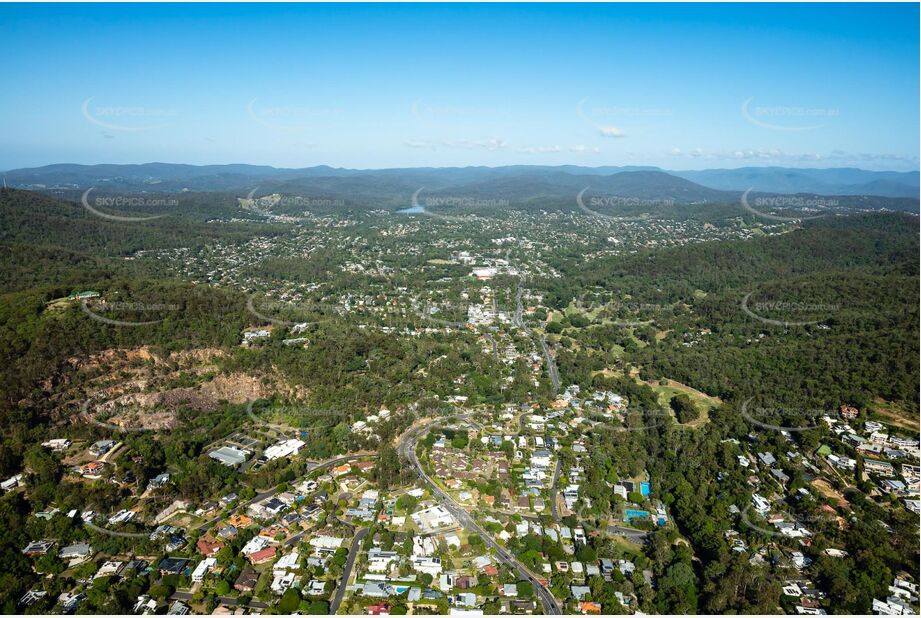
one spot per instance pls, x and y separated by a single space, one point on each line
229 456
287 562
285 448
325 542
433 518
282 582
203 568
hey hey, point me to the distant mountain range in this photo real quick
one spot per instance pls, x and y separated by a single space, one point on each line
832 181
517 184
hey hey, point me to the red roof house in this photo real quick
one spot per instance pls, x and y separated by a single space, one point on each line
209 546
263 555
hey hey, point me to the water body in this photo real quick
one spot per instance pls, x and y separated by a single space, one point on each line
412 210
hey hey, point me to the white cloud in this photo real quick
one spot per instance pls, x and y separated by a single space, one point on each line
493 143
538 149
610 131
584 148
482 144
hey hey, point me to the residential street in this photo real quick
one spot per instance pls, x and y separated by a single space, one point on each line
347 571
408 450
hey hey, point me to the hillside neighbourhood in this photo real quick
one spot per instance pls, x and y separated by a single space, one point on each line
333 541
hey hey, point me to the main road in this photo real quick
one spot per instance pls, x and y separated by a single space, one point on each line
407 449
551 366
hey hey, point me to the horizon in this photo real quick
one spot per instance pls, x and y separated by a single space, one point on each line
445 167
371 87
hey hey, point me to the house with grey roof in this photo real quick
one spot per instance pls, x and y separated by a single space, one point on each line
229 456
77 550
377 590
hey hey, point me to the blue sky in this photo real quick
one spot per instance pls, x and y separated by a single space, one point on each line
678 86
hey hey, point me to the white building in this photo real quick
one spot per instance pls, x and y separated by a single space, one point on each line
379 561
11 483
255 544
328 543
285 448
282 582
426 564
540 458
57 444
288 562
434 518
204 567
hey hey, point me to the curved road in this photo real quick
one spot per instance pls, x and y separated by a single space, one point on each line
408 449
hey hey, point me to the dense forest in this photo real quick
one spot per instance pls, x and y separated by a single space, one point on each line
850 284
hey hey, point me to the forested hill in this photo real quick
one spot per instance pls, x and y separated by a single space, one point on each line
881 242
36 221
847 286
